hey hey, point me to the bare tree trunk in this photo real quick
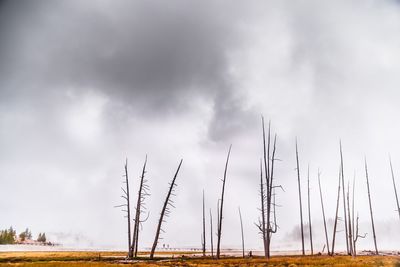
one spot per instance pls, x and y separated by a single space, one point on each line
355 226
323 211
352 218
301 207
394 187
125 196
344 200
274 213
309 210
272 187
165 210
211 231
261 225
349 219
355 239
270 227
218 205
204 228
267 179
370 208
271 175
356 236
336 216
141 195
222 205
241 228
144 193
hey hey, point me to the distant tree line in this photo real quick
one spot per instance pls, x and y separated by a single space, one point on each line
9 236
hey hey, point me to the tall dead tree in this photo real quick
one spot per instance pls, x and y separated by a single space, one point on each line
349 219
352 217
221 206
344 202
241 229
269 163
356 235
218 203
267 179
140 208
394 186
274 213
165 210
309 209
126 206
204 229
323 211
336 214
370 208
219 200
261 222
211 236
301 206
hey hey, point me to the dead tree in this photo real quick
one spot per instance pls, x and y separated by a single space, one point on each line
349 220
309 209
274 212
352 217
356 236
165 210
261 222
221 206
211 236
140 208
336 214
271 227
267 179
370 208
218 203
241 228
204 229
126 205
348 248
301 207
394 186
323 211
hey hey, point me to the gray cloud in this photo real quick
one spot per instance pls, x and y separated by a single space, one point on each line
153 52
157 58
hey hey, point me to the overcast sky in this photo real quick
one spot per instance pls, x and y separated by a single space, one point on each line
85 84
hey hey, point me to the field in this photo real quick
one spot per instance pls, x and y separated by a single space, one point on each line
167 259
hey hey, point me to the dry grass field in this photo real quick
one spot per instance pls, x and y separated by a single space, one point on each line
117 259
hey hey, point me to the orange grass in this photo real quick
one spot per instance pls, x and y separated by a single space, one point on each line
82 258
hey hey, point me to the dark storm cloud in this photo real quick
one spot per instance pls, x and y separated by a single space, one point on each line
157 57
130 50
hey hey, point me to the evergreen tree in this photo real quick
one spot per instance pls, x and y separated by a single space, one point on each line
28 234
7 236
25 235
42 237
22 236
